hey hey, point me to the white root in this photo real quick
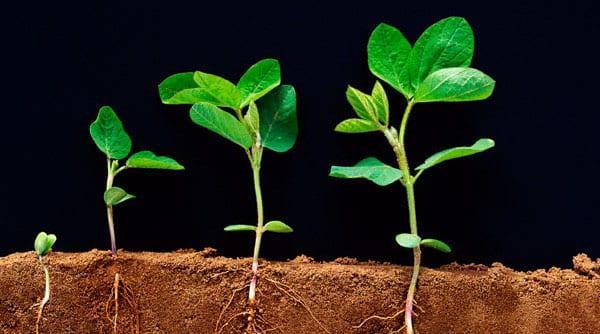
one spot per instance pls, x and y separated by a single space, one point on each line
46 298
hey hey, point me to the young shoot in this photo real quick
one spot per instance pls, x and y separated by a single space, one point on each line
43 245
262 115
111 138
435 69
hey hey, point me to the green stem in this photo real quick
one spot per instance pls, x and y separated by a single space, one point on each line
110 177
256 161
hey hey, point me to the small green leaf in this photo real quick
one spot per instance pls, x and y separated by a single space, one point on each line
356 125
238 228
258 80
455 84
371 169
408 240
181 88
447 43
252 118
363 104
109 135
220 92
457 152
116 195
147 159
278 120
221 122
382 106
388 51
277 227
436 244
43 243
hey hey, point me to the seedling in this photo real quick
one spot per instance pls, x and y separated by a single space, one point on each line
43 245
111 138
263 115
435 69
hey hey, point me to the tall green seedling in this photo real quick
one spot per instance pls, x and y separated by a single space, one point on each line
435 69
111 138
261 114
43 245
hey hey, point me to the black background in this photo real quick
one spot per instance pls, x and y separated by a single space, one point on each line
529 202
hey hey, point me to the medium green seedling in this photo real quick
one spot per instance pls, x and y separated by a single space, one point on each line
43 245
262 115
435 69
111 138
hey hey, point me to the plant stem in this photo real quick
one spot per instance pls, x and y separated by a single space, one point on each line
110 177
255 162
408 182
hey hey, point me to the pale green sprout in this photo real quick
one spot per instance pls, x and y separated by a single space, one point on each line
435 69
111 138
43 245
263 115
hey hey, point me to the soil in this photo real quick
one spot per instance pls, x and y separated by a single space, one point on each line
185 291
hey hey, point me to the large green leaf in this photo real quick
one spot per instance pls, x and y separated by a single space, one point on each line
181 88
219 91
109 135
382 105
447 43
278 121
388 51
356 125
147 159
362 103
457 152
239 227
116 195
221 122
455 84
371 169
408 240
43 243
437 245
277 226
258 80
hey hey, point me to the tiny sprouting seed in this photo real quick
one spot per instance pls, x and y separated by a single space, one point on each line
43 245
435 69
263 115
111 138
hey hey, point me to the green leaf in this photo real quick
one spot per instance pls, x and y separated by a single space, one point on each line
447 43
147 159
371 169
181 88
252 118
258 80
363 104
109 135
455 84
219 91
356 125
457 152
382 106
221 122
408 240
116 195
277 227
43 243
436 244
278 120
238 228
388 51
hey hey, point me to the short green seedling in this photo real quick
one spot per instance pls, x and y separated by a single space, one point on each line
435 69
43 245
111 138
263 115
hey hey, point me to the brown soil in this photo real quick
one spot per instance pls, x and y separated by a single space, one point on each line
184 292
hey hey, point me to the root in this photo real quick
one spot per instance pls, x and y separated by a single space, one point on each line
44 300
378 317
235 292
130 301
295 296
39 317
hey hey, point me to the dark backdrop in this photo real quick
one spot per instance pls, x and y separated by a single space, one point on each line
529 202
